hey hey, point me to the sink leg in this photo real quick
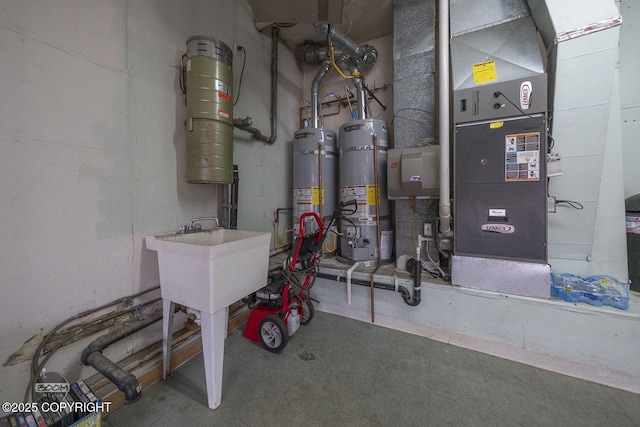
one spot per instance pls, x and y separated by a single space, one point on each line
213 335
168 308
226 322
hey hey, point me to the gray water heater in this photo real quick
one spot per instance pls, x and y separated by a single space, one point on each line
315 164
363 163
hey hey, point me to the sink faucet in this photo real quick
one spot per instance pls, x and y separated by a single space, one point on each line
204 218
193 227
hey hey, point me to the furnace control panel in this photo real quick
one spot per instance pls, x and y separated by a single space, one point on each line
525 96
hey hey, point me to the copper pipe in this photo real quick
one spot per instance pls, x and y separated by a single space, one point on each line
379 247
320 188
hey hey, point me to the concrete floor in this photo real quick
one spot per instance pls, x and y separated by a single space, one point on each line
342 372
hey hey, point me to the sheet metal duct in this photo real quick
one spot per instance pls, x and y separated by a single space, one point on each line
470 15
502 31
582 42
304 11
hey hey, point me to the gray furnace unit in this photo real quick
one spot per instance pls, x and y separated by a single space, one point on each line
500 189
500 146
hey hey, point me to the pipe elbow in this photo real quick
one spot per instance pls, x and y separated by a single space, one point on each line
94 347
244 121
370 55
126 382
322 29
131 389
409 299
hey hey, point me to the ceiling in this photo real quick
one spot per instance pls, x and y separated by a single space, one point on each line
362 20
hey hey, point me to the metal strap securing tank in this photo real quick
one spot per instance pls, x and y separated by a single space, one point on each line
358 126
363 148
208 46
369 219
315 152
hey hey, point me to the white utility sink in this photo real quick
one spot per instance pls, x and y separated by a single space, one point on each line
208 271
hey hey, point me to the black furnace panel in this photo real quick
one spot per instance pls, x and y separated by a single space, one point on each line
500 189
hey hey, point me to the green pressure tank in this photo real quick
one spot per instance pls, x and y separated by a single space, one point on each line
209 111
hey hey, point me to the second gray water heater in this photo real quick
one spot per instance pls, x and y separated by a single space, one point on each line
363 164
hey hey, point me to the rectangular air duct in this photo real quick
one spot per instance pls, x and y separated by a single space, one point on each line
304 11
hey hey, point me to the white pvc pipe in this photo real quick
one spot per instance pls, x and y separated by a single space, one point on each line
349 271
443 115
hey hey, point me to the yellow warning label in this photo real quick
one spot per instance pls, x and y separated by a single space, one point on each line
496 125
484 72
317 196
371 195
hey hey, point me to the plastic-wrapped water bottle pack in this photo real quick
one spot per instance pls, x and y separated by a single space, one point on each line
594 290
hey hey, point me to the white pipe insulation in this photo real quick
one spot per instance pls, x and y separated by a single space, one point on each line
443 116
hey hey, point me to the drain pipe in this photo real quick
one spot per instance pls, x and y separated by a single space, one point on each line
230 201
315 88
233 193
92 356
443 117
404 292
414 300
245 123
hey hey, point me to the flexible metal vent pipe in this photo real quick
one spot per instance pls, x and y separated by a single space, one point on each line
361 54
